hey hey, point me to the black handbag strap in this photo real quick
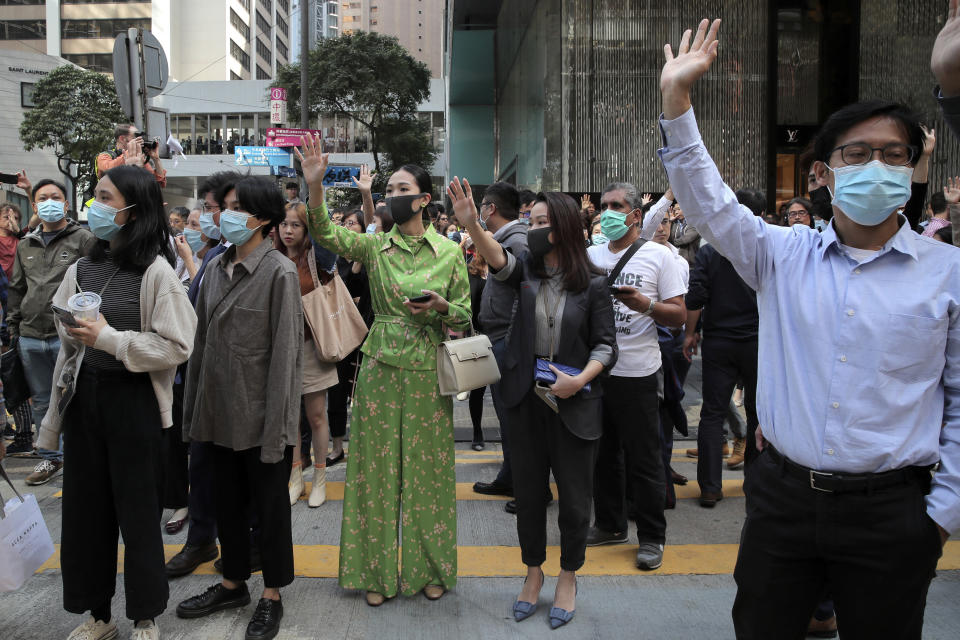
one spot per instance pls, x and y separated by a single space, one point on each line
624 259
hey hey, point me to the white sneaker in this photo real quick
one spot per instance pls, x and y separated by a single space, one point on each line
94 630
318 494
145 630
296 484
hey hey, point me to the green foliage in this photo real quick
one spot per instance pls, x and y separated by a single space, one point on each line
407 141
75 115
372 79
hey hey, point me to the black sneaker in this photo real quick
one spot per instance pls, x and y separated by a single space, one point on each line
216 598
265 623
8 432
597 537
21 449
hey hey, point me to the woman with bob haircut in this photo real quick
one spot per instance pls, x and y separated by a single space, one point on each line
564 314
112 399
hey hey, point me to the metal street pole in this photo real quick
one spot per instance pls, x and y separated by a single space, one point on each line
304 53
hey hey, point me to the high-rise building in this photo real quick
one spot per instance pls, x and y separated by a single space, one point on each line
324 23
417 24
205 40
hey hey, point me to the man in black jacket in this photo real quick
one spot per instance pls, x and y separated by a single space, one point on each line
499 210
730 324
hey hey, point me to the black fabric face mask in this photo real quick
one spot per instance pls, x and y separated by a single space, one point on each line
400 208
538 241
822 207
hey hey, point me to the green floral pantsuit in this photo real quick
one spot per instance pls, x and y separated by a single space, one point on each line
401 440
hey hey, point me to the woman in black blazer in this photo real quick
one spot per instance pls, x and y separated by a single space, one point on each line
563 308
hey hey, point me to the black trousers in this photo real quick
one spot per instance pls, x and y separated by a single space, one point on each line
246 485
544 443
874 551
505 475
338 397
630 452
113 483
175 453
476 413
201 502
724 362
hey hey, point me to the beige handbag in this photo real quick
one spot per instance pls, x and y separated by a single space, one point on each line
466 364
336 324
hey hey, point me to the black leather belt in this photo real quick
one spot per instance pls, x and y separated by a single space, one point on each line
848 482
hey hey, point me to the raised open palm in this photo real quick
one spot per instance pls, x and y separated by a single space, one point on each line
692 60
945 58
951 192
464 208
312 160
365 182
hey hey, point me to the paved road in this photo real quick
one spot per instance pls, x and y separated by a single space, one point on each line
689 597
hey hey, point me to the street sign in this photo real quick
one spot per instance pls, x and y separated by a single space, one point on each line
262 157
283 172
278 105
140 71
288 137
341 177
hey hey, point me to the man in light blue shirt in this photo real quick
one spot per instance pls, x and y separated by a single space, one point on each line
841 496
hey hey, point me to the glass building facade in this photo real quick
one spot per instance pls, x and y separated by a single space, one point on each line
576 84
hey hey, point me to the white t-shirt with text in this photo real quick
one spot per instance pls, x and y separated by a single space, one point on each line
654 271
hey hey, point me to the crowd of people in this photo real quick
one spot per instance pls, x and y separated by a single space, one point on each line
831 321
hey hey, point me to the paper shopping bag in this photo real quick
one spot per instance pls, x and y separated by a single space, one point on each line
25 542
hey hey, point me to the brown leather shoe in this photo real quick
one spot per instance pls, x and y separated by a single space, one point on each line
739 449
822 628
433 591
710 500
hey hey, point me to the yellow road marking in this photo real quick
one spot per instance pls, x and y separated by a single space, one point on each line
321 561
732 488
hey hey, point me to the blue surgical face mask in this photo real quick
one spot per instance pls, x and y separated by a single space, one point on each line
452 235
612 224
372 227
208 226
194 238
869 193
50 210
599 238
101 218
233 224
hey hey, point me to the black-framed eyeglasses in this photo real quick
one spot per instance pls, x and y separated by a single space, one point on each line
485 204
895 154
796 215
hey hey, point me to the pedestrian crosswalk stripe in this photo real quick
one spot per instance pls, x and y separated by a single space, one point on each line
732 488
321 561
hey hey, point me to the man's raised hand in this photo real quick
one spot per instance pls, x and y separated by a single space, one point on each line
682 71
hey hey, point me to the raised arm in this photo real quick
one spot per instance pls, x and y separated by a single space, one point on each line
655 215
466 211
353 246
365 186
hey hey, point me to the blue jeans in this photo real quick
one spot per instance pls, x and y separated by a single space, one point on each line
39 356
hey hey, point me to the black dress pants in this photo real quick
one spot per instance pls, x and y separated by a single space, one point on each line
203 514
724 362
246 485
875 552
175 452
541 444
113 483
630 452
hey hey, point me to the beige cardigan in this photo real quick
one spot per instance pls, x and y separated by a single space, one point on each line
168 324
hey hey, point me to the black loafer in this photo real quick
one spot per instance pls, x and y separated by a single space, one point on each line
492 489
216 598
333 461
189 558
265 623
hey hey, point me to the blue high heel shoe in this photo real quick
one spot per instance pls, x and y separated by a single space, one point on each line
523 610
560 617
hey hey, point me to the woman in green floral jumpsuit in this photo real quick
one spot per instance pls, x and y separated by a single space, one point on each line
401 446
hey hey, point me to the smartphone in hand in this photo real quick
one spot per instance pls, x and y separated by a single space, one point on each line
66 317
420 299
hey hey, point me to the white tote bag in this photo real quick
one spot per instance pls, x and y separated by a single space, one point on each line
25 542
